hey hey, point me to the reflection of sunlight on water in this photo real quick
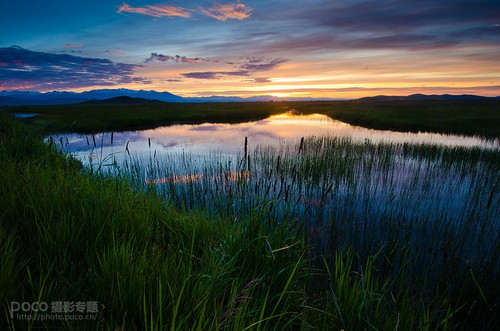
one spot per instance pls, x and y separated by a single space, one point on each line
341 192
278 130
290 118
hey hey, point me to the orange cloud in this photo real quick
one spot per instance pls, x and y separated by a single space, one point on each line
219 11
155 11
73 45
225 11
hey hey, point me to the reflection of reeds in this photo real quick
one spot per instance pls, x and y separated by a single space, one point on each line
301 146
407 240
245 148
175 179
226 176
490 197
357 195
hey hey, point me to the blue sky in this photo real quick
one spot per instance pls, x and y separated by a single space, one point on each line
320 48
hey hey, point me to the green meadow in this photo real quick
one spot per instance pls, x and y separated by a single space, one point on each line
470 117
331 234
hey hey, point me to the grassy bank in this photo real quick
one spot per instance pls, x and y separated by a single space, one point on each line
97 118
467 117
424 218
152 262
69 236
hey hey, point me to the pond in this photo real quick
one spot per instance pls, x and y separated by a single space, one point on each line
347 186
209 138
25 115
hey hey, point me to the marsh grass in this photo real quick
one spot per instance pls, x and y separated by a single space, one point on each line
478 117
342 236
417 217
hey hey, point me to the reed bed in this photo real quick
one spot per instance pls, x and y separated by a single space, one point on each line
322 234
423 217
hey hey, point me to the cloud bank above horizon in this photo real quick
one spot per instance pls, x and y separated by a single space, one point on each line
346 48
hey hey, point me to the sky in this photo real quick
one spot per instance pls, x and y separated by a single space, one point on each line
307 48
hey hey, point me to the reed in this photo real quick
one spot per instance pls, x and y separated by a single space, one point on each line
412 212
343 235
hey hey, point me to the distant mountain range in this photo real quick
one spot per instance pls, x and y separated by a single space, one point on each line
121 101
116 96
18 98
28 98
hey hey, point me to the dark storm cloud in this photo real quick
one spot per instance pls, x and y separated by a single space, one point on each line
22 68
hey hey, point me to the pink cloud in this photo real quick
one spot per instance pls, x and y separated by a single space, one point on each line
73 45
155 11
219 11
225 11
115 53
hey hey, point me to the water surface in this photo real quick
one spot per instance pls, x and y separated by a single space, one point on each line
342 194
25 115
220 138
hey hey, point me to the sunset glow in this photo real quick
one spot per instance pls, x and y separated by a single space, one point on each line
319 48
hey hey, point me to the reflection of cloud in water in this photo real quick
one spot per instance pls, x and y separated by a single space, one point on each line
81 143
207 138
205 127
262 134
167 144
262 122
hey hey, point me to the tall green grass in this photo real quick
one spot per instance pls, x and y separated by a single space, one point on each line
73 237
235 252
427 217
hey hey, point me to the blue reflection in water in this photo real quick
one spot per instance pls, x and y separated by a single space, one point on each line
209 138
364 194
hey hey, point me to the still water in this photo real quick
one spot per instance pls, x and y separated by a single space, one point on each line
346 197
228 139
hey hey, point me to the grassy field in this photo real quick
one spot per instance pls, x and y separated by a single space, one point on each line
468 117
424 217
225 251
97 118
